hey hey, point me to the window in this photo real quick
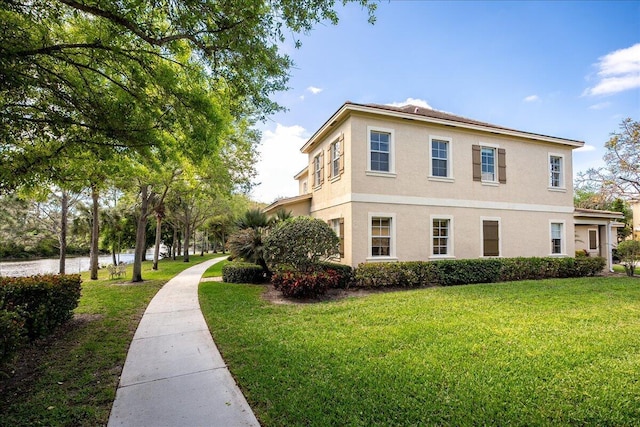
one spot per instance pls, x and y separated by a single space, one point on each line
440 155
490 237
593 239
557 231
335 159
556 178
380 151
380 237
305 188
488 163
317 170
441 236
337 225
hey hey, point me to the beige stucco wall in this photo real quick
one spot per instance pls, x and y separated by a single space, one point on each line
582 239
524 204
635 209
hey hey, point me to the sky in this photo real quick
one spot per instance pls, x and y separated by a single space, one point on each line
568 69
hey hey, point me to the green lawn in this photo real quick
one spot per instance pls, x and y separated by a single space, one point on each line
527 353
215 270
71 380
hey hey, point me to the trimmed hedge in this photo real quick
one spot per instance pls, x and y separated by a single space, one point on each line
32 307
242 272
469 271
344 272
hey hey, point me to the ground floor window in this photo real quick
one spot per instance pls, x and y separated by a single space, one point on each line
556 237
441 233
338 227
490 237
381 236
593 240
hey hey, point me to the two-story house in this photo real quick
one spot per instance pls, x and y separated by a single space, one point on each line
410 183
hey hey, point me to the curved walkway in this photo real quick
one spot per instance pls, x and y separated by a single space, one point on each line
174 374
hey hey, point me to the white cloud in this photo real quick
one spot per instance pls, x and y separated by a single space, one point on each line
412 101
617 71
600 106
314 90
532 98
585 148
280 160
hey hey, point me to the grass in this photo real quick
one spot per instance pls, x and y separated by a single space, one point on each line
215 270
71 379
527 353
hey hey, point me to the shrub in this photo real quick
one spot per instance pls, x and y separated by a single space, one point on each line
301 243
11 335
242 272
294 283
344 272
469 271
629 253
247 244
44 302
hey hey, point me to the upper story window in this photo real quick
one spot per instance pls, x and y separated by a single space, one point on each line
380 151
556 171
489 164
317 170
305 188
440 157
336 159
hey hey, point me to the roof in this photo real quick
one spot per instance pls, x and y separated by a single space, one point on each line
303 172
287 201
595 213
428 115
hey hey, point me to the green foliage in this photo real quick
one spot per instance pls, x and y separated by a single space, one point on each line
469 271
293 283
45 302
11 335
629 253
345 272
253 218
247 244
242 272
300 242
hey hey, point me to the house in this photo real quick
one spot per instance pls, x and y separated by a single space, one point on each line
410 183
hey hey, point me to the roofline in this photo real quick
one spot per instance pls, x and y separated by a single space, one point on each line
350 106
594 213
287 201
299 174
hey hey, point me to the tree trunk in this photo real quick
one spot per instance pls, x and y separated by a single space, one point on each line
187 234
140 235
95 232
64 210
174 244
179 244
156 252
113 254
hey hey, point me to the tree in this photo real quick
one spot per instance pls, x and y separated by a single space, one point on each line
629 252
620 178
79 74
301 243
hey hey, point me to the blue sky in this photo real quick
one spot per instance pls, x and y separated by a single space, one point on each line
566 69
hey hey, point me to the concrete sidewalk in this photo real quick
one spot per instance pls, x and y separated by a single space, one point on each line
174 374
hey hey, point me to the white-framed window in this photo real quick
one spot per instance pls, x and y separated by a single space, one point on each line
488 163
337 225
317 170
556 171
334 149
382 235
440 157
441 236
380 150
557 234
490 237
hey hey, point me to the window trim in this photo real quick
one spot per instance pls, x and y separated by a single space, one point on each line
490 218
450 237
392 243
562 186
494 149
449 177
337 225
318 174
563 238
392 157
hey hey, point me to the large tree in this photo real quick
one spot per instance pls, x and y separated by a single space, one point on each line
85 74
620 177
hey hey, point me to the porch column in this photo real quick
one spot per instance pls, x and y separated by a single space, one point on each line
609 247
